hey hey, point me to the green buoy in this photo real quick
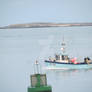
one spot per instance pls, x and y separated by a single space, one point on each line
39 82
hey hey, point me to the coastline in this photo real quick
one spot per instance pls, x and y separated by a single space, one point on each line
44 25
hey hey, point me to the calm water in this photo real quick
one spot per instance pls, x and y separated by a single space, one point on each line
19 48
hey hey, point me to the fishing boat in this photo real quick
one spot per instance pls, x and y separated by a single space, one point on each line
63 61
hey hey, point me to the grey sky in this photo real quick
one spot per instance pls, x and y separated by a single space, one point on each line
26 11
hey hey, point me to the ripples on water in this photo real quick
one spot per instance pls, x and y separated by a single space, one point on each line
19 48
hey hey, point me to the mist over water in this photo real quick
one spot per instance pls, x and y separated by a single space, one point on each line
19 48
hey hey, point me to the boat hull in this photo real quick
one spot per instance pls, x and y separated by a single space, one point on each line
59 65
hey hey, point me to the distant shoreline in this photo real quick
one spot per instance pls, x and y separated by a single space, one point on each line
44 25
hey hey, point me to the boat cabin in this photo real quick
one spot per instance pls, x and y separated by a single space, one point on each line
61 58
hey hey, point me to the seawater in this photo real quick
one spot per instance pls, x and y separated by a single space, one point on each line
20 48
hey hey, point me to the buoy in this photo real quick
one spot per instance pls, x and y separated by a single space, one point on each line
39 82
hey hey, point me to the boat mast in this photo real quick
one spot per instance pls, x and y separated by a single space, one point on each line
63 46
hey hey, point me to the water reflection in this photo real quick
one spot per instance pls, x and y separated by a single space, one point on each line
73 80
67 72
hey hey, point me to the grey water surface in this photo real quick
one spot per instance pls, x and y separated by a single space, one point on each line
19 48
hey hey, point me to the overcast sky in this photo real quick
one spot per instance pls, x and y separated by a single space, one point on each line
27 11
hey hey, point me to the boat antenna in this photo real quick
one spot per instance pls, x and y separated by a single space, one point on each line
63 44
